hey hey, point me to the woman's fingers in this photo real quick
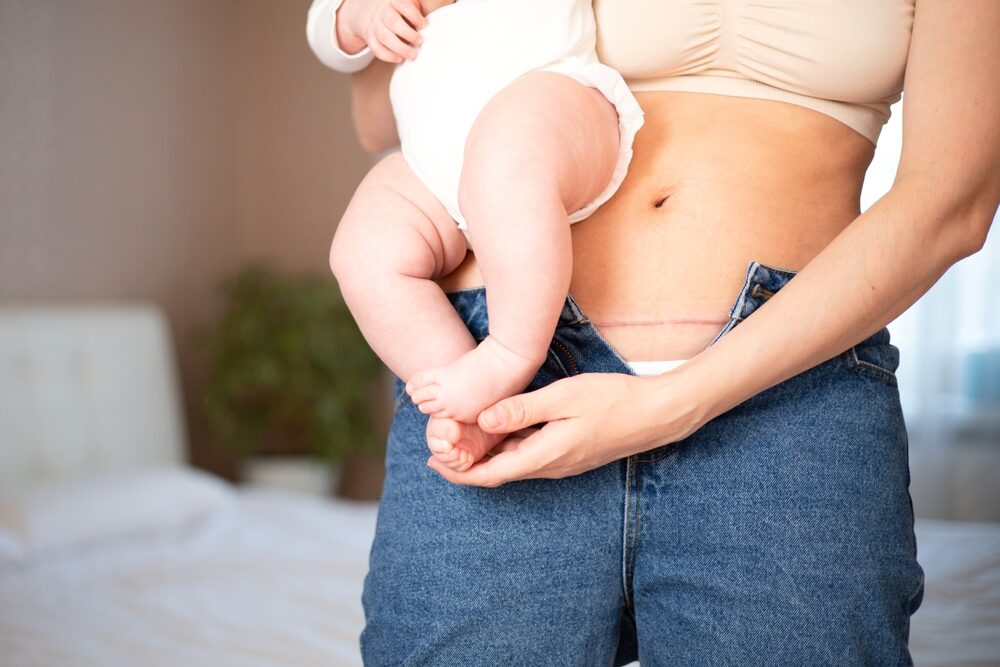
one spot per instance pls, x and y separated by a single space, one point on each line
512 441
491 472
525 455
524 410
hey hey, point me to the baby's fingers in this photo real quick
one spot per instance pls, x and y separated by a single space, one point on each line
394 44
398 25
410 10
383 53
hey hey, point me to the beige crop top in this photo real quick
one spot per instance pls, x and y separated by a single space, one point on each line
843 58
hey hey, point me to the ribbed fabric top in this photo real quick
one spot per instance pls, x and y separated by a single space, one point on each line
842 58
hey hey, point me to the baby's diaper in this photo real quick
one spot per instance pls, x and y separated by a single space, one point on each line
472 50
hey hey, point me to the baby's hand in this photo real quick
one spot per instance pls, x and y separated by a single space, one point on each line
388 27
429 6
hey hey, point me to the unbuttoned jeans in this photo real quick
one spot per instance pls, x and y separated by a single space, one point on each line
780 533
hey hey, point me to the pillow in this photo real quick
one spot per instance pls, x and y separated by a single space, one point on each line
11 549
145 501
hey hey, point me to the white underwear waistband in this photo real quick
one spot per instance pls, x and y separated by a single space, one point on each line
648 368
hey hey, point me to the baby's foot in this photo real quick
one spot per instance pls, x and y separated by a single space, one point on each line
458 445
471 383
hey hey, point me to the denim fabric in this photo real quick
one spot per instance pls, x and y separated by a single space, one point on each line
780 533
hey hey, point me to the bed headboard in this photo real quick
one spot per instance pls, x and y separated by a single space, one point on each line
85 389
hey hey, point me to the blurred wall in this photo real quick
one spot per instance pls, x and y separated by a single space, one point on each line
148 147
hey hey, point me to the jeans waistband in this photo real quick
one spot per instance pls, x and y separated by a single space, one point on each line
759 285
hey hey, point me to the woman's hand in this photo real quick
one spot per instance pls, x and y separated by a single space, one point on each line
592 419
388 27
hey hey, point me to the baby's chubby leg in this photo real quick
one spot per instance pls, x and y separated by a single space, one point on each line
394 238
545 146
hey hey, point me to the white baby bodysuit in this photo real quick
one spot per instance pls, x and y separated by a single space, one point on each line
474 48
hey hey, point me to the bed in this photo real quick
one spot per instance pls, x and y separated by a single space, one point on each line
268 579
114 552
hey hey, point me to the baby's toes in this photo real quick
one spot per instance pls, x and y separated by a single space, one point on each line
434 408
445 429
420 381
462 462
426 394
476 441
465 460
439 446
450 458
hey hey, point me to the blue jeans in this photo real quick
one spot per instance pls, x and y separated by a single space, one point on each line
780 533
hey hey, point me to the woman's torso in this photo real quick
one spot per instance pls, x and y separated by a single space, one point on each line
716 181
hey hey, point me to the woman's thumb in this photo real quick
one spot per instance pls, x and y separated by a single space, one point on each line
520 411
506 416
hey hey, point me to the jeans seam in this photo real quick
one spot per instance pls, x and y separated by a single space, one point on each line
574 307
625 535
867 369
659 453
635 529
916 591
737 310
573 370
726 328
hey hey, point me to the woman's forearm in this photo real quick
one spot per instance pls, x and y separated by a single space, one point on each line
873 271
371 109
938 211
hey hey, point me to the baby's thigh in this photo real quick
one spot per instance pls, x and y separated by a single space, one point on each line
393 214
547 129
527 573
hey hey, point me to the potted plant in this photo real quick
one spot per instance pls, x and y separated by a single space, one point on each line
290 373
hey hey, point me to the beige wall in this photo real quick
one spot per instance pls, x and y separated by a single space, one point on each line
148 147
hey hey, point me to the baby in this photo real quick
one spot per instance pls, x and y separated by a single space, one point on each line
510 130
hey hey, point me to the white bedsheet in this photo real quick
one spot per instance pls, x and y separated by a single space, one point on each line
959 620
276 580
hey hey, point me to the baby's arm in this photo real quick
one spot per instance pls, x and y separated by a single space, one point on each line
388 27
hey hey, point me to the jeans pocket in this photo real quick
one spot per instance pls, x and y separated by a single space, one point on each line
877 361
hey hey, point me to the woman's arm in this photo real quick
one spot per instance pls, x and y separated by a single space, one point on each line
334 35
374 121
938 211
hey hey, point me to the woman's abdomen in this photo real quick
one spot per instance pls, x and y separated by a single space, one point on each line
715 183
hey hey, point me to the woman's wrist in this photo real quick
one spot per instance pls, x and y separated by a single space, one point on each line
688 397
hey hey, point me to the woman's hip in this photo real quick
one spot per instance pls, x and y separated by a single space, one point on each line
809 478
